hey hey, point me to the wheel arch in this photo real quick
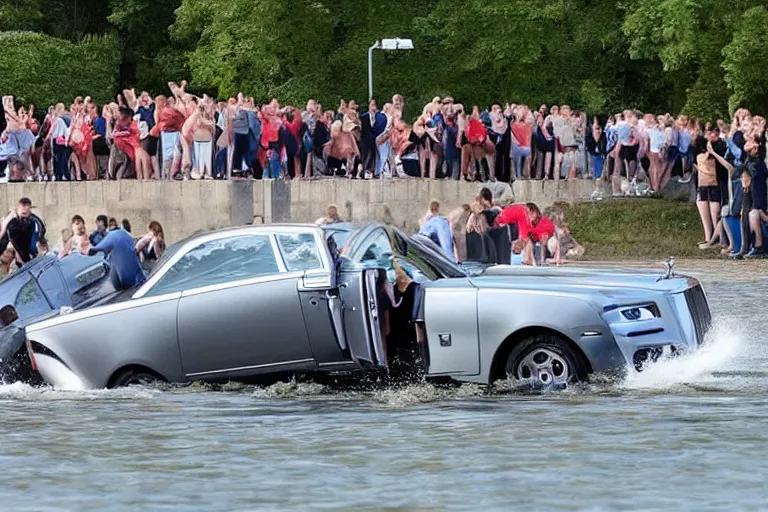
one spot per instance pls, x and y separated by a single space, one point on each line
134 367
510 342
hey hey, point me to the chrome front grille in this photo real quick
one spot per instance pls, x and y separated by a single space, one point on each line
699 309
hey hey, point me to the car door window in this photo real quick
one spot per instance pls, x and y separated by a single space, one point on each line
378 250
299 251
50 281
30 301
379 254
219 261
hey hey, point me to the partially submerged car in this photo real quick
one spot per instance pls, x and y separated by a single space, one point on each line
48 283
256 300
40 289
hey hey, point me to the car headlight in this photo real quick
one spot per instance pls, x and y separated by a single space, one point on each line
639 313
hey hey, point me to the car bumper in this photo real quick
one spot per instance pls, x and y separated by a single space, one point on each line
684 321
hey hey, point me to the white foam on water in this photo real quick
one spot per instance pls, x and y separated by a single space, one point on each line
22 391
722 345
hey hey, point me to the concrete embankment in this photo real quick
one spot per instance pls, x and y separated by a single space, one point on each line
184 208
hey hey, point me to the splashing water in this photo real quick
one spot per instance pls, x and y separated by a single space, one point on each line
721 345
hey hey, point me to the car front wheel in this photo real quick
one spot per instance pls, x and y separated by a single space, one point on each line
134 377
545 361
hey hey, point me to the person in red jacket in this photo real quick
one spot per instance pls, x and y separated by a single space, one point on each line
543 231
520 216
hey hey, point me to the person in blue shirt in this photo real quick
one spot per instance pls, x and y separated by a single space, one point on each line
121 254
101 230
438 229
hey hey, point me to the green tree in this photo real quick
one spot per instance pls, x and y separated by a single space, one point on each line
266 48
149 60
745 61
54 70
20 15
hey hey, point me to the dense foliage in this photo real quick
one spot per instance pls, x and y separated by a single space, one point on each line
701 57
44 70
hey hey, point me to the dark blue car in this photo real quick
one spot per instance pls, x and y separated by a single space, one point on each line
48 283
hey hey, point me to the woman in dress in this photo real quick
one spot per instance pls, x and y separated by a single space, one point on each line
81 142
126 139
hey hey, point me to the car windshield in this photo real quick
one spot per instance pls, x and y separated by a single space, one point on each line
167 255
424 254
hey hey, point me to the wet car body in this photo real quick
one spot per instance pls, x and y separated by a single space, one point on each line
260 300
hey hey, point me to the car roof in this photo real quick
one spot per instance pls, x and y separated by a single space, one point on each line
250 228
247 228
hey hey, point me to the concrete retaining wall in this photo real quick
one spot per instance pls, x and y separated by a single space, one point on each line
184 208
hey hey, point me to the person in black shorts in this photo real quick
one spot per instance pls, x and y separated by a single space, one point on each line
22 229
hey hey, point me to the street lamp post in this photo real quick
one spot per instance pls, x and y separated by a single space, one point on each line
384 44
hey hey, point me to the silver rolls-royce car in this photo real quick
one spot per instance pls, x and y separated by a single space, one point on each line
255 300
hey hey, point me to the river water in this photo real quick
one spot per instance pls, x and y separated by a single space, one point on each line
689 434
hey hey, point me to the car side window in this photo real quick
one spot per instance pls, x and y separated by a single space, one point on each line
30 301
219 261
299 251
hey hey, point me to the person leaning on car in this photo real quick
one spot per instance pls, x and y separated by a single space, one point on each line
119 248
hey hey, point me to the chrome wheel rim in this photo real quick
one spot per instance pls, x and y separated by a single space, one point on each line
545 368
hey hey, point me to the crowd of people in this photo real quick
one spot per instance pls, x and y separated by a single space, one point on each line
488 233
183 136
732 195
23 238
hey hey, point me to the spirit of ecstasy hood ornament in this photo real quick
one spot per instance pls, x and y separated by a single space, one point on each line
669 269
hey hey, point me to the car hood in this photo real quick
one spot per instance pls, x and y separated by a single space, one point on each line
606 281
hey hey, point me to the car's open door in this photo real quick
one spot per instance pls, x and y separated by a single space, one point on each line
362 322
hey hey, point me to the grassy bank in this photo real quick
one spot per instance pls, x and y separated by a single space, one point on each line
637 228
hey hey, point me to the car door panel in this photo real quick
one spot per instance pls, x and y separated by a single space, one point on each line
450 318
361 317
238 329
321 310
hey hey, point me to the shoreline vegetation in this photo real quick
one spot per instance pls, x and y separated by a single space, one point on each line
637 229
702 58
